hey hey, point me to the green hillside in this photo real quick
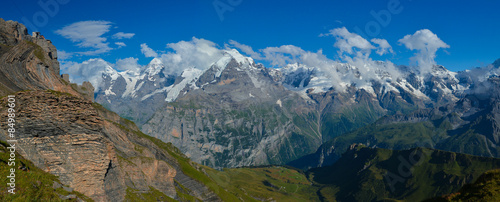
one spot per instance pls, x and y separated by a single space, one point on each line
485 188
366 174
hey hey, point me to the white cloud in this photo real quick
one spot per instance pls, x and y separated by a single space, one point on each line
246 49
356 65
88 34
427 44
147 51
120 44
63 55
283 55
90 70
127 64
121 35
197 53
347 41
383 46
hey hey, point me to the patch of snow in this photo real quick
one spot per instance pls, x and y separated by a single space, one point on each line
155 92
109 92
131 83
190 76
279 102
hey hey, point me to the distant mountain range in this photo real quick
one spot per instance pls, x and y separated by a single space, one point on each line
239 113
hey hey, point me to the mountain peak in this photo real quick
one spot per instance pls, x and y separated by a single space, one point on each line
496 64
155 61
154 67
239 57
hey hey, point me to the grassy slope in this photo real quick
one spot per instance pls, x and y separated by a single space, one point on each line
266 183
486 188
364 175
286 184
238 184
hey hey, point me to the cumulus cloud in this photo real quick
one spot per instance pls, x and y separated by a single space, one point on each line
338 73
121 35
354 51
88 34
246 49
355 67
120 44
90 70
427 44
63 55
283 55
129 64
383 46
147 51
347 41
197 53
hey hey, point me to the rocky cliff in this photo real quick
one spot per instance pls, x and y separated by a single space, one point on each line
94 150
27 62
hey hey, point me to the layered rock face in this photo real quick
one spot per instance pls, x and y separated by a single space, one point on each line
28 61
94 150
62 135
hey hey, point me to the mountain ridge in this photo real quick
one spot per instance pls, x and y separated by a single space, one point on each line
339 99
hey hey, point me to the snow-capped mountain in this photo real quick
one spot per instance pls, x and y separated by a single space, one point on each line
150 87
235 112
430 88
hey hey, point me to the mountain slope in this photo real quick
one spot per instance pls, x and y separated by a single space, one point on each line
469 125
226 115
485 188
123 92
237 116
366 174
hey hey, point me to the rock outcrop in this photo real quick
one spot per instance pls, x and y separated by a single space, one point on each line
82 144
29 62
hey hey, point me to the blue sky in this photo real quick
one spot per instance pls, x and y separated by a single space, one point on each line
470 29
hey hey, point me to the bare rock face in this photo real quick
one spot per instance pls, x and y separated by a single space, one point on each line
62 135
28 62
82 144
240 118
